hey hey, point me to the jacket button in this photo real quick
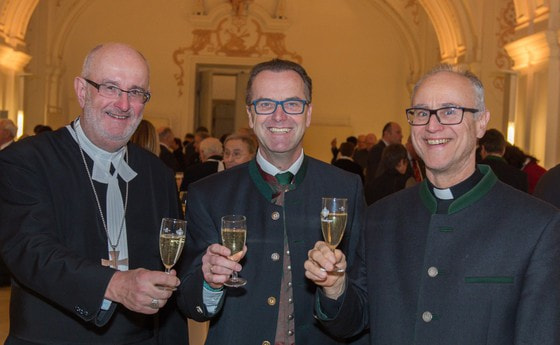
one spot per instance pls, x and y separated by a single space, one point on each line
290 332
271 301
275 215
275 256
266 342
433 272
290 316
427 316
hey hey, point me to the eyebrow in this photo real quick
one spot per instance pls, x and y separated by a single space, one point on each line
443 105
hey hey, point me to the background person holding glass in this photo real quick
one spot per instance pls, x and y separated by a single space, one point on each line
280 193
81 213
460 258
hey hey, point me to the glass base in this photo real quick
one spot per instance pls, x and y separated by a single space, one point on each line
235 282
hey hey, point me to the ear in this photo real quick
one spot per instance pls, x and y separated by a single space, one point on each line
250 115
80 89
308 115
482 123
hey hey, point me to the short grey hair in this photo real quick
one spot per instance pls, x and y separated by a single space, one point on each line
211 147
9 126
462 71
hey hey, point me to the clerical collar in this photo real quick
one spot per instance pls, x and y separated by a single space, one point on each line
457 190
102 159
270 169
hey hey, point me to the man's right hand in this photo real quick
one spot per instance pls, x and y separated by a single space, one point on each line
141 290
321 266
217 266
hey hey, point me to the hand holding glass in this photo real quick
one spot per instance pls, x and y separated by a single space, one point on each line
171 241
234 234
333 221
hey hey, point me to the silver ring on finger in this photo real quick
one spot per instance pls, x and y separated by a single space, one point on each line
154 304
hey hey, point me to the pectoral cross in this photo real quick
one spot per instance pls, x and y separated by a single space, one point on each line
114 261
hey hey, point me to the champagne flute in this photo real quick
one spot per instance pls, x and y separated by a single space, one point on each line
234 234
333 221
171 241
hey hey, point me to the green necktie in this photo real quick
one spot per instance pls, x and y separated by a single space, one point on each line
284 178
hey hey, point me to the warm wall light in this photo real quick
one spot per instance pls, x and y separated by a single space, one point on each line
19 123
511 132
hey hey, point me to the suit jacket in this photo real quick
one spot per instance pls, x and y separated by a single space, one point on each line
485 273
350 166
199 171
248 315
168 157
507 173
548 187
53 240
373 160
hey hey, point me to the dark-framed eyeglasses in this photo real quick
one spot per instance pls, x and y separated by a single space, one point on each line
445 116
137 96
265 106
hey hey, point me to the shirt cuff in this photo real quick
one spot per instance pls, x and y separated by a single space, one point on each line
211 297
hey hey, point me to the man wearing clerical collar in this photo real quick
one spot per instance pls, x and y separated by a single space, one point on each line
460 258
80 214
280 192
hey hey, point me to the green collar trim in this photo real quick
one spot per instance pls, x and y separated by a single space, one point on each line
263 186
465 200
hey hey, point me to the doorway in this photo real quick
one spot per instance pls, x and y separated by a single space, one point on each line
220 98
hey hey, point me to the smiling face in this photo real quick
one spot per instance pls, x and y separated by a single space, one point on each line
280 135
448 150
108 122
236 152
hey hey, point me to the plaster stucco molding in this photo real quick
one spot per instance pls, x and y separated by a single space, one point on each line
14 19
453 28
228 33
529 12
534 49
12 59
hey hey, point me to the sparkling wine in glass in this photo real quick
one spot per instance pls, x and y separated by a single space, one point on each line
234 234
171 241
333 221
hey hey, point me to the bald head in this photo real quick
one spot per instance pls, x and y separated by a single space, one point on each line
102 51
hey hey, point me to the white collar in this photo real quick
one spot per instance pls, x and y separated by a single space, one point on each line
102 159
443 194
270 169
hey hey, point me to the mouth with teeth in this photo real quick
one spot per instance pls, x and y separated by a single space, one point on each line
437 141
118 117
279 130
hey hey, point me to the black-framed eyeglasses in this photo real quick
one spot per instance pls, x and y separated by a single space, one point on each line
445 116
111 91
265 106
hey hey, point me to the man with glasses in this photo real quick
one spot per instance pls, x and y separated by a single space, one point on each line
80 214
280 193
460 258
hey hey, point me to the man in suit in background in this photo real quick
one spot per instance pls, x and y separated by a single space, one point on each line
492 148
279 192
392 134
461 258
166 147
211 151
345 160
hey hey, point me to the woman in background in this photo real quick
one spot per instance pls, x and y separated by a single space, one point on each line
146 137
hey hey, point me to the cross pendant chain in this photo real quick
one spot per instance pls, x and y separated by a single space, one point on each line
114 261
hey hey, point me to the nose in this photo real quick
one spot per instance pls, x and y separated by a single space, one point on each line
279 114
433 123
122 102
